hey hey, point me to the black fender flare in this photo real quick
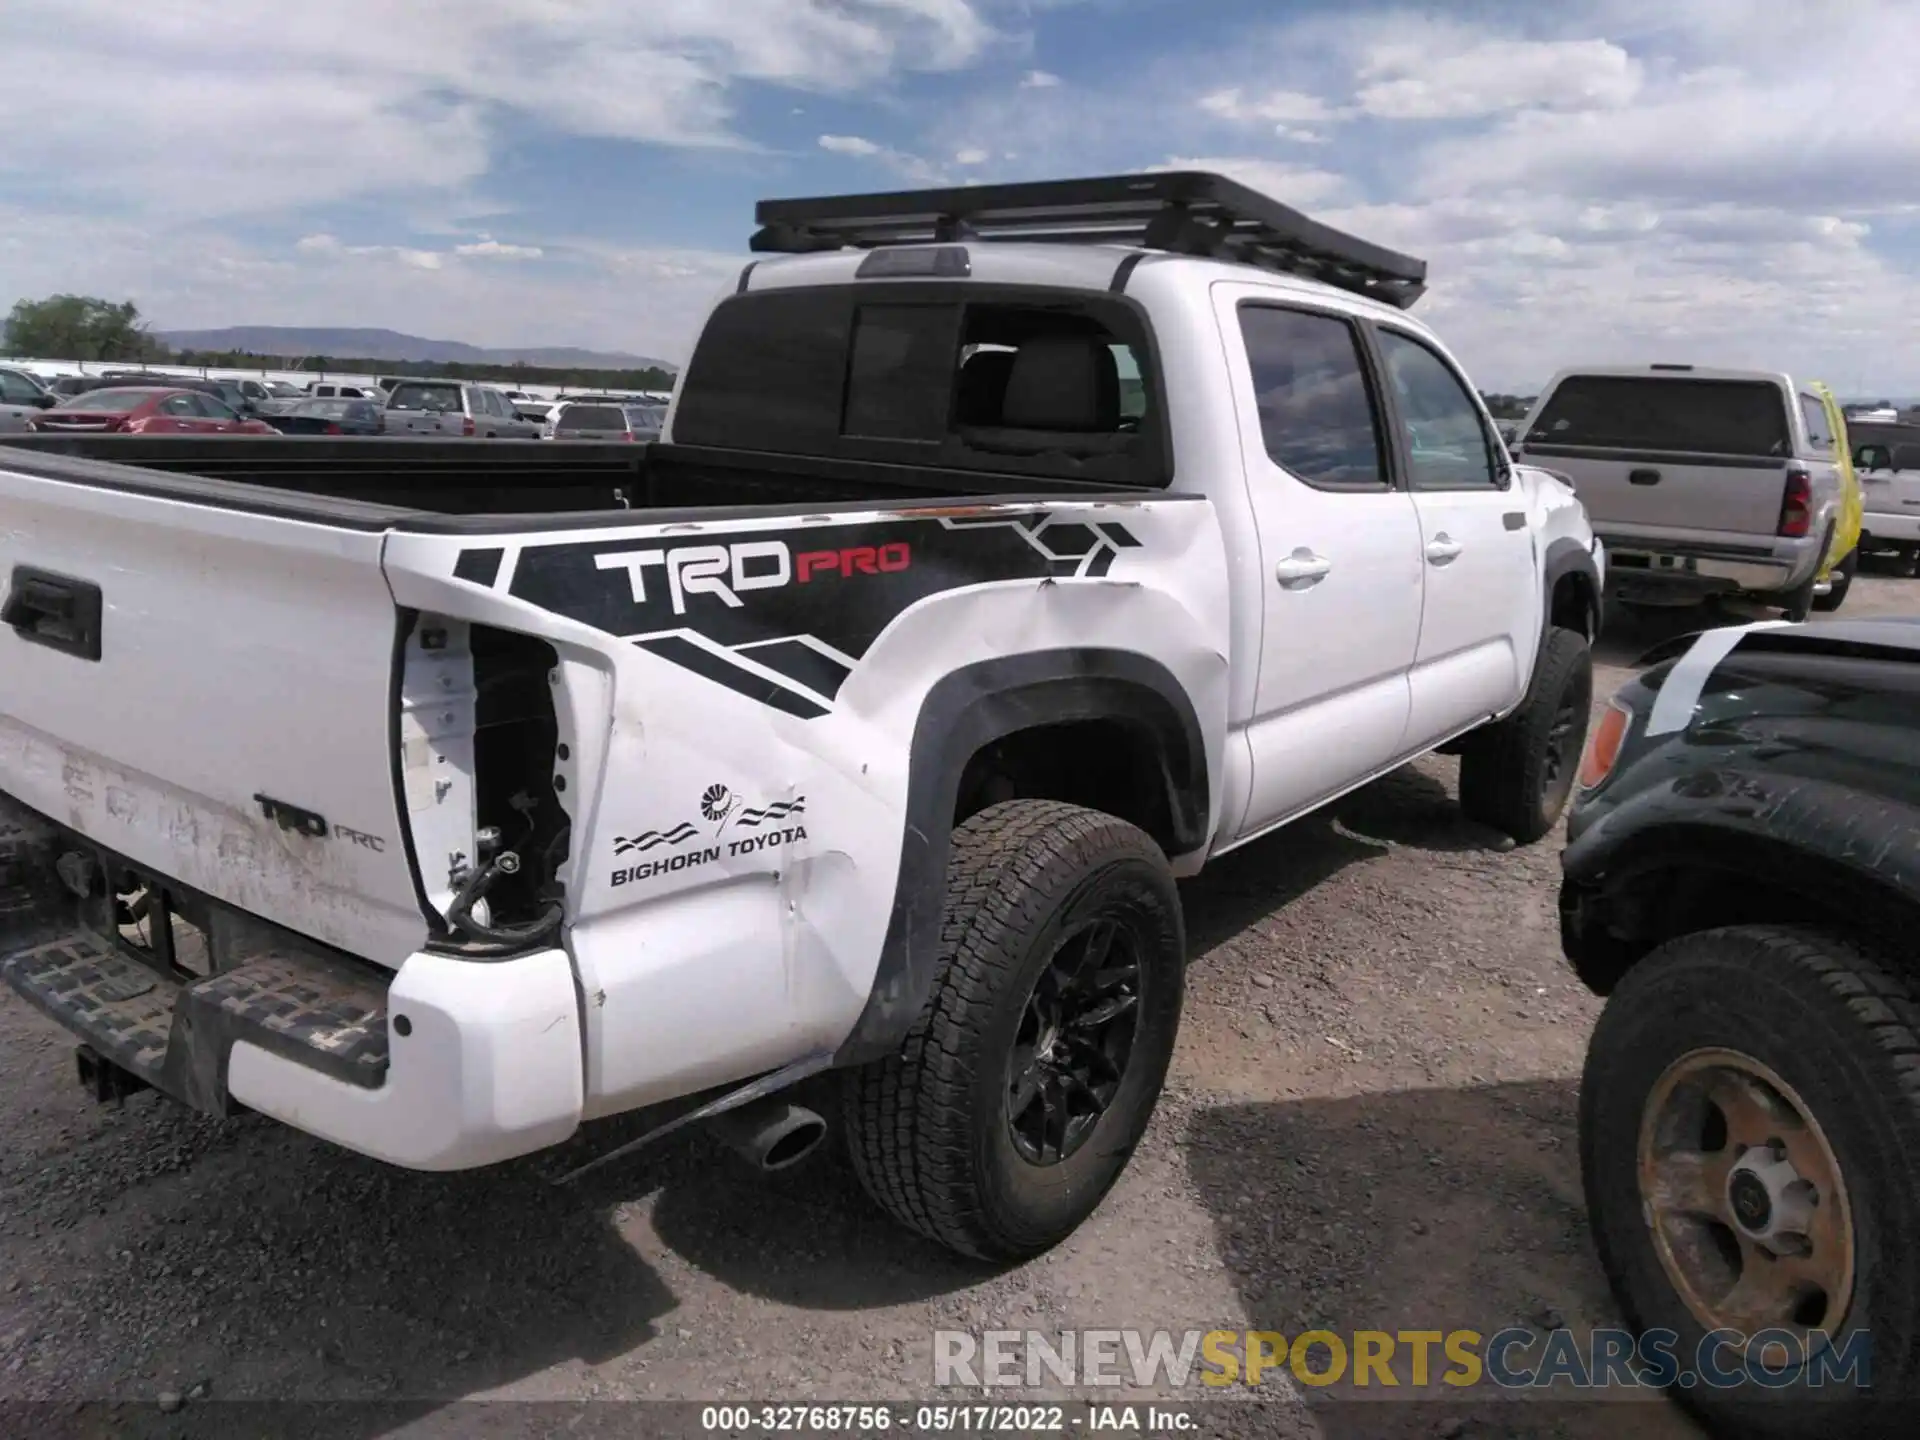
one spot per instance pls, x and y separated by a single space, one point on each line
1567 556
1849 854
971 708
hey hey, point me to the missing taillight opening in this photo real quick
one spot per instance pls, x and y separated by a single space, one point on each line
1603 746
479 743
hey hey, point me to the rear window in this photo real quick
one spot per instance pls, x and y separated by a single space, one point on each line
1630 412
424 397
590 417
1056 384
116 401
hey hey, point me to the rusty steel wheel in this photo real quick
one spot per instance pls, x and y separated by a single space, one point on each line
1750 1154
1745 1200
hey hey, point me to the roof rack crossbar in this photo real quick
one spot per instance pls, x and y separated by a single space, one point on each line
1185 212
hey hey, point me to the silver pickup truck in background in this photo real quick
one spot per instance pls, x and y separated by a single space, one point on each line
454 407
1699 482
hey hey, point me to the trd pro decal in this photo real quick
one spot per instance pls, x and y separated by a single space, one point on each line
762 827
783 617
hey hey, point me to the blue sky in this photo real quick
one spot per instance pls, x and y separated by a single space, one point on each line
1722 181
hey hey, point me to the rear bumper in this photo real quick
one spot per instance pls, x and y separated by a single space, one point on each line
445 1064
1648 567
489 1068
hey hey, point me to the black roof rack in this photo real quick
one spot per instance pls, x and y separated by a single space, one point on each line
1187 212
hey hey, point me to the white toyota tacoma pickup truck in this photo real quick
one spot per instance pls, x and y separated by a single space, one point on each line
1010 552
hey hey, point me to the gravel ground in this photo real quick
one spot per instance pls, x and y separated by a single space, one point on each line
1369 1125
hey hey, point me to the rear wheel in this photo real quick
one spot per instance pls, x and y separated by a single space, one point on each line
1839 582
1024 1086
1516 775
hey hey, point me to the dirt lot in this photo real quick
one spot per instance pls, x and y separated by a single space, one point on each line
1370 1125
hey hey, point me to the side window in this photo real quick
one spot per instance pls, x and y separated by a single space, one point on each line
16 390
180 405
1819 432
1447 443
1310 386
218 409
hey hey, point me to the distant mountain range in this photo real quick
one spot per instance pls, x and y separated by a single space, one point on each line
296 341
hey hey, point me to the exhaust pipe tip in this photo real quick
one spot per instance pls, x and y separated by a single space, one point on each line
770 1134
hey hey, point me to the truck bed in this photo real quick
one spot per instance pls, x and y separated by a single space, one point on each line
466 485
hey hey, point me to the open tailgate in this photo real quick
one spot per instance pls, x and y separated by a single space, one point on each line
207 693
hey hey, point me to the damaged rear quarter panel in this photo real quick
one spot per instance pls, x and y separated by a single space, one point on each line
734 869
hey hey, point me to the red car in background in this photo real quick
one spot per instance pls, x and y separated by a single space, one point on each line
146 410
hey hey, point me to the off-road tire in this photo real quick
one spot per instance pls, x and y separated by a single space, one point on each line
1508 777
928 1128
1839 581
1844 1032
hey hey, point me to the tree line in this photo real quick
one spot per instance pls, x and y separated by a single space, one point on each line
86 328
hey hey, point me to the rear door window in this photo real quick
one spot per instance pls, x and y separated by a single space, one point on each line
1642 413
1317 414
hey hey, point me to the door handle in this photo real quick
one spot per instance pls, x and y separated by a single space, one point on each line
1441 550
1643 477
1302 569
54 610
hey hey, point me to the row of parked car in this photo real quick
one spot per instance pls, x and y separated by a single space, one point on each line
1707 483
137 402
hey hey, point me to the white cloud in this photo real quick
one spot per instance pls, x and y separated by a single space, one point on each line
1295 185
1276 106
201 108
1040 80
913 167
1414 80
1286 111
491 249
971 155
1522 284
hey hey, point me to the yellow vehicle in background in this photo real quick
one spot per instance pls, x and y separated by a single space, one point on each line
1843 555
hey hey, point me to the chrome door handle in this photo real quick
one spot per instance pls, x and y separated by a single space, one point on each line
1441 550
1301 569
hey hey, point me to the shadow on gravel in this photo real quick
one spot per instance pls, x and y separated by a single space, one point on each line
348 1299
807 1237
1238 891
1414 1210
1418 810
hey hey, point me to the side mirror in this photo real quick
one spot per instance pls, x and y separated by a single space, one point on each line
1873 457
46 401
